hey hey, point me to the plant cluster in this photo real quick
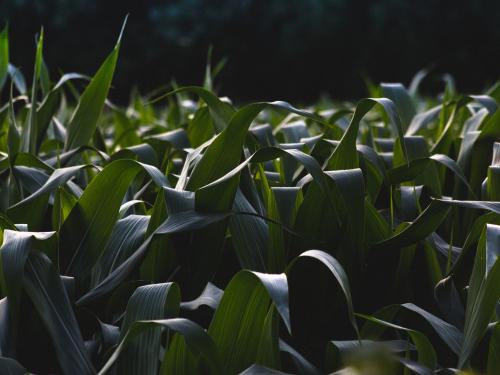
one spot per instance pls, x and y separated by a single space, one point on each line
183 234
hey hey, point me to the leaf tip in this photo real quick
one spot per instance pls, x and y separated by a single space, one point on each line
118 42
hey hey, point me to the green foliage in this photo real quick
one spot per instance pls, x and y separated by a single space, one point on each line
189 236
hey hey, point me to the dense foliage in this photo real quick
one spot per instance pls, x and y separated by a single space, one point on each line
191 236
295 49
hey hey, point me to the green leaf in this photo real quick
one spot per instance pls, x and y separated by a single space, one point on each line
149 302
84 120
221 112
427 355
426 223
181 222
4 55
256 369
197 339
28 206
90 222
127 235
401 98
14 254
494 350
283 203
345 155
30 135
18 79
336 270
483 293
31 270
249 235
224 153
350 184
210 297
242 312
11 367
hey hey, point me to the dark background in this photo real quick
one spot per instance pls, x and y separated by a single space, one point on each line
277 49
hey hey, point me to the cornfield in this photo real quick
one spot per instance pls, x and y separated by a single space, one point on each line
183 234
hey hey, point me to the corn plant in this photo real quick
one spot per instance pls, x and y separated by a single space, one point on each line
183 234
